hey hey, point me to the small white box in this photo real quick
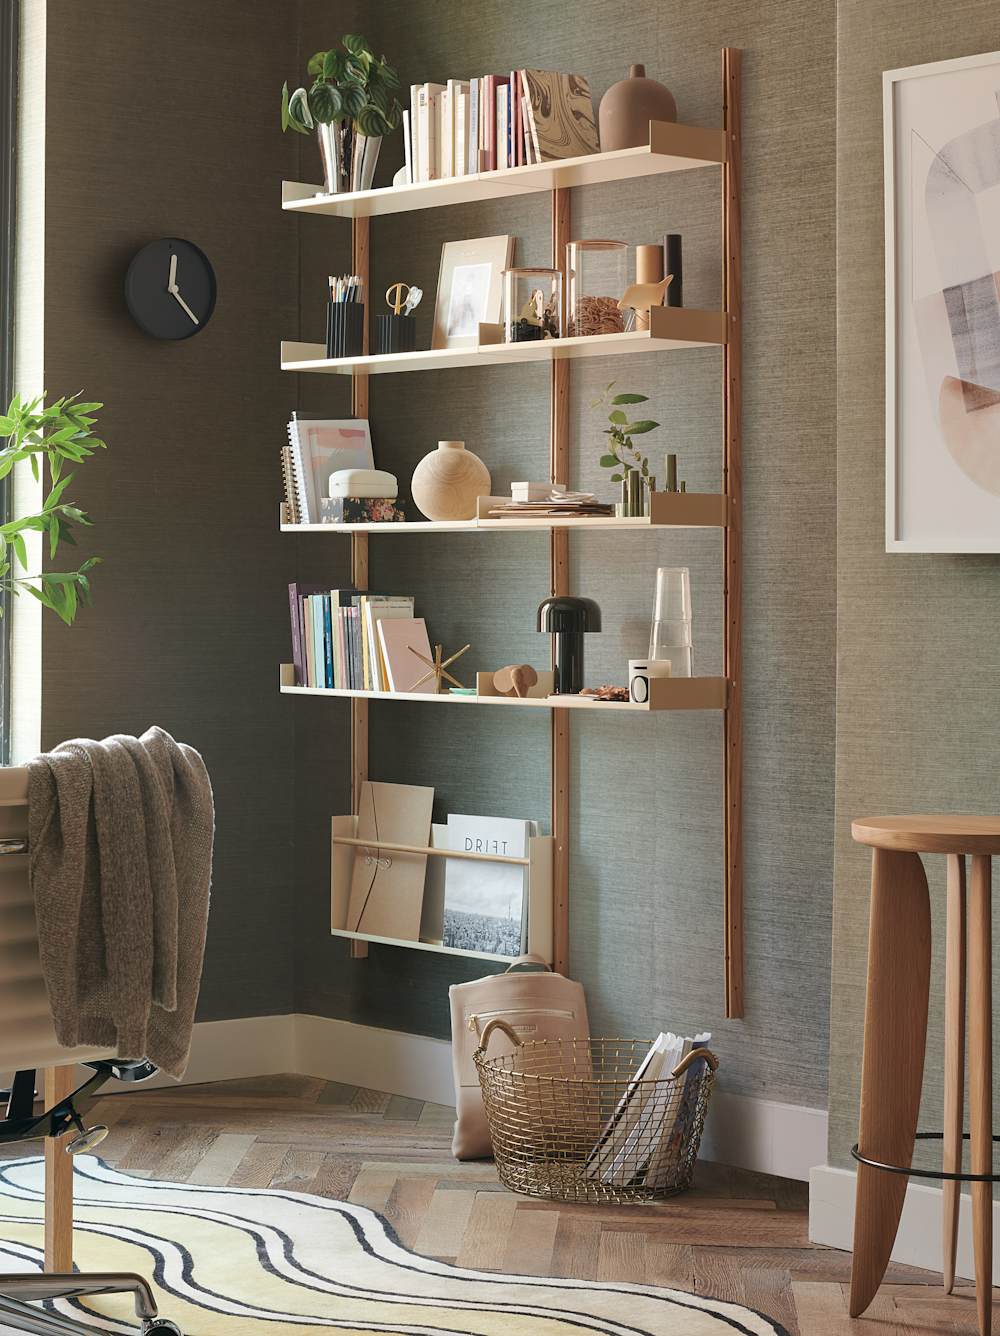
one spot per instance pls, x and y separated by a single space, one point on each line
363 482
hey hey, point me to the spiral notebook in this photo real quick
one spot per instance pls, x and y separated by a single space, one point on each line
319 447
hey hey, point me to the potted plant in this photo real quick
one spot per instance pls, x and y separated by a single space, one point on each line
630 465
351 104
55 435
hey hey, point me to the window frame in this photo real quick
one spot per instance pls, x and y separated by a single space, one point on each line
10 16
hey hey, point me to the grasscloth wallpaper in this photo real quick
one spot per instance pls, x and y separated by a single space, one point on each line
646 866
918 674
145 138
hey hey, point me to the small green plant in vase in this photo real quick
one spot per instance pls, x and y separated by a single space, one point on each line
629 466
351 104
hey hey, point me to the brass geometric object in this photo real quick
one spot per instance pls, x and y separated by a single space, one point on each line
437 668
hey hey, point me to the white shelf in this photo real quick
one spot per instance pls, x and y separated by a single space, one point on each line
671 148
665 693
671 327
676 510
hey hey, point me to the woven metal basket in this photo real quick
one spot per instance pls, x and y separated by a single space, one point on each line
569 1121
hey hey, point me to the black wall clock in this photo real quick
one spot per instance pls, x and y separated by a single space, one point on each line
170 289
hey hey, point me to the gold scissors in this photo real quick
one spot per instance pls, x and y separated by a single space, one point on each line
395 296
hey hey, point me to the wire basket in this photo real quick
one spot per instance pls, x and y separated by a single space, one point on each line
569 1120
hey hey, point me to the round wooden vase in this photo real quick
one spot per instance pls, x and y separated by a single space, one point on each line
447 483
629 105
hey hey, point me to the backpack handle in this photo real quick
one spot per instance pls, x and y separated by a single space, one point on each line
529 964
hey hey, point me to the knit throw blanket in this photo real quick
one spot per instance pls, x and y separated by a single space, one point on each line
120 837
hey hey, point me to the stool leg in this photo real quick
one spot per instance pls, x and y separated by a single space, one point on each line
954 1060
981 1082
899 964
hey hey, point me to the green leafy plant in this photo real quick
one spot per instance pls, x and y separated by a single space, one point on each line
47 437
623 455
350 83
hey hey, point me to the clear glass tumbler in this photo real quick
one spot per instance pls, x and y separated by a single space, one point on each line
670 634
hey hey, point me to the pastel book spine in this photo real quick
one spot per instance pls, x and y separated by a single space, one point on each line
501 125
358 652
472 160
307 624
415 158
445 128
516 151
407 148
298 662
337 631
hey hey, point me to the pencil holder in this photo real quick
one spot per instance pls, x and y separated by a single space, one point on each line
395 333
345 329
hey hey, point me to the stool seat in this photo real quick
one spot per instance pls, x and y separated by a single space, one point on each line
930 834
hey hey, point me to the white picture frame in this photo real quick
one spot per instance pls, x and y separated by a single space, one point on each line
942 305
470 289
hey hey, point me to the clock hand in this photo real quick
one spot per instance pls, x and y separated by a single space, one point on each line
172 280
175 293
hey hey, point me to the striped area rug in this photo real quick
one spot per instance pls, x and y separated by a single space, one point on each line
248 1261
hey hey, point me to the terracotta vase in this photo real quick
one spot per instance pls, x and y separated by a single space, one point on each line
629 105
447 483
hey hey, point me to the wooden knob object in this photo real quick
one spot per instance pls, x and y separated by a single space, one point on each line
516 679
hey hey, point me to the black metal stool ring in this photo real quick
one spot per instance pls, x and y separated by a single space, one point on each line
938 1174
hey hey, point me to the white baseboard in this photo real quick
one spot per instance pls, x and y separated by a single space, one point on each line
918 1242
403 1064
759 1134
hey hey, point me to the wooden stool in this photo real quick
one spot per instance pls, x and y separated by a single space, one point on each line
899 961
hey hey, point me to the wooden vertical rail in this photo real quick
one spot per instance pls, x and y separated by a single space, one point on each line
361 265
559 584
732 485
58 1083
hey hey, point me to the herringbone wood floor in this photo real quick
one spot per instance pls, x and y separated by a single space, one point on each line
736 1235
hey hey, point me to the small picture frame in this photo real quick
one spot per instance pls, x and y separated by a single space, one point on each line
470 289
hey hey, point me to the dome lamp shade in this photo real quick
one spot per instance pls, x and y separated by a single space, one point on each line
568 620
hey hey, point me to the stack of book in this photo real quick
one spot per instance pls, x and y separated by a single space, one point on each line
641 1142
545 500
466 126
335 637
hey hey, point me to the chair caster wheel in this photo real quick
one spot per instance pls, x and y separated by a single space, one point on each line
160 1326
87 1139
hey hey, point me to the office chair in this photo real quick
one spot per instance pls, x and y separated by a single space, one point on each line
28 1044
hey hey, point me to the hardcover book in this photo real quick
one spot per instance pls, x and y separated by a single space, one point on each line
561 114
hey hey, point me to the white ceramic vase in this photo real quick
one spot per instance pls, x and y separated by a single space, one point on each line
447 483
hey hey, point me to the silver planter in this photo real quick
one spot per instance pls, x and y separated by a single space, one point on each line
349 158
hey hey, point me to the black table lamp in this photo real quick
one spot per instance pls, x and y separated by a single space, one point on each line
568 619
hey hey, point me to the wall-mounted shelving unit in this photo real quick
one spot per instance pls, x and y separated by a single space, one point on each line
671 148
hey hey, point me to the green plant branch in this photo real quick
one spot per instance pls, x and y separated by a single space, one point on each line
47 436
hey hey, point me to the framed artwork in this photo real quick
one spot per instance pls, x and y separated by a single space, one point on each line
942 257
470 289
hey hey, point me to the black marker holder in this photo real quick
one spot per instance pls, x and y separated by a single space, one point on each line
345 329
395 333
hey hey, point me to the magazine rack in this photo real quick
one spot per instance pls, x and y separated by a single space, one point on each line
345 846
